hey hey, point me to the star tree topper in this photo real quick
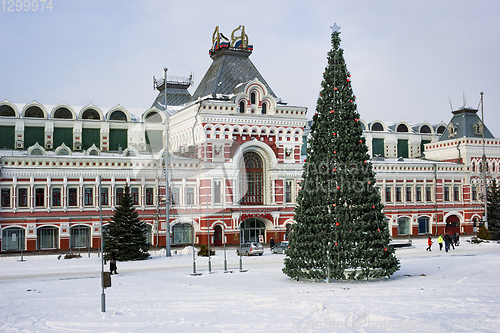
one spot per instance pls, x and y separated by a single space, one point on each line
335 27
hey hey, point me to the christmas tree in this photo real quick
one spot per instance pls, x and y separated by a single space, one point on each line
341 231
127 235
493 207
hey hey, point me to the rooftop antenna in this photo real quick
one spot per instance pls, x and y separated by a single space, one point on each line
463 96
451 106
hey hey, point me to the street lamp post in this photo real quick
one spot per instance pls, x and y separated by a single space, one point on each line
166 167
485 219
103 296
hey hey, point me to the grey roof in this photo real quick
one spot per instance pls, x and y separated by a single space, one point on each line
175 96
229 69
465 121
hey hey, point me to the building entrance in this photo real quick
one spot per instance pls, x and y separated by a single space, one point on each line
452 224
251 229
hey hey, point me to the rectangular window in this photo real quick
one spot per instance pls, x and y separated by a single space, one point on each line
56 197
408 194
104 196
428 193
39 197
217 184
190 196
175 195
388 194
134 192
403 148
446 193
456 193
72 199
474 193
419 193
22 197
150 196
378 147
5 197
88 196
119 195
288 191
398 194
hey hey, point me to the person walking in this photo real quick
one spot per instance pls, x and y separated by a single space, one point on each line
447 240
455 238
112 264
271 243
440 242
429 242
452 241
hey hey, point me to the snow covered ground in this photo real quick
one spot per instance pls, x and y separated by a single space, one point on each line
457 291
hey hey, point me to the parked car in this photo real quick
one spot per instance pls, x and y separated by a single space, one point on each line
281 247
250 248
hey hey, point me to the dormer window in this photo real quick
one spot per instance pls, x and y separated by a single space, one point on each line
478 128
252 98
452 130
402 128
264 108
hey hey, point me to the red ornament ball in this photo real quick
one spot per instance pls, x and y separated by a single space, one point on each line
337 224
335 152
360 141
385 249
351 101
335 244
335 88
378 229
365 161
357 119
373 206
332 111
347 80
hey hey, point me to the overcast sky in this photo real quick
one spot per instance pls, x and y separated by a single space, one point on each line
407 58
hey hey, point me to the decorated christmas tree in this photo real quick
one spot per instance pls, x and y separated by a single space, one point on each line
127 235
493 207
341 231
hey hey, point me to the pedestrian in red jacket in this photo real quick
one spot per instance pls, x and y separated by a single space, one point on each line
429 242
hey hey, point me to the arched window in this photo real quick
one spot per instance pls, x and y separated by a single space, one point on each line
425 129
264 108
153 117
402 128
377 127
63 113
36 151
251 178
252 98
441 129
91 114
118 115
34 112
7 111
242 107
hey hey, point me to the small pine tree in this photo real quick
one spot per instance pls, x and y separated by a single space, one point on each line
340 224
127 235
484 233
493 207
